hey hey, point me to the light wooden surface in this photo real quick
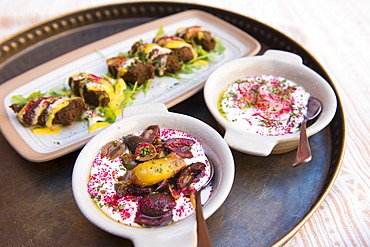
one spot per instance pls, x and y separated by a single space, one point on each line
337 33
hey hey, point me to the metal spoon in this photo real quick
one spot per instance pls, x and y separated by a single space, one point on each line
202 231
304 152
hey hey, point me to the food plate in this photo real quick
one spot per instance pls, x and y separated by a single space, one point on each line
183 232
278 63
170 91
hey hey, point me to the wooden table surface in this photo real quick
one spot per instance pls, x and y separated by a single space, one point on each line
337 34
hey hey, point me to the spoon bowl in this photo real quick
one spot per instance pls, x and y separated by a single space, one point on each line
304 152
202 231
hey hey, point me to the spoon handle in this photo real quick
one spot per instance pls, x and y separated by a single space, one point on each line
304 151
202 231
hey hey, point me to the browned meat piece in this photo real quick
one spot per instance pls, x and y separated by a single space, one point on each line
207 44
130 69
172 64
198 35
114 65
139 73
182 50
29 113
161 58
70 113
16 108
184 54
93 89
51 110
96 97
137 49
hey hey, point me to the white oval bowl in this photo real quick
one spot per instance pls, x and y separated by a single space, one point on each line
135 119
277 63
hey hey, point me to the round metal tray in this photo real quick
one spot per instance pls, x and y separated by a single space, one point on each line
269 202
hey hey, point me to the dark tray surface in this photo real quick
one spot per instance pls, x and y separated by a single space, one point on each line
269 199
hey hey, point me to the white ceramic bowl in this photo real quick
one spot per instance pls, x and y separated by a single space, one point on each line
137 118
277 63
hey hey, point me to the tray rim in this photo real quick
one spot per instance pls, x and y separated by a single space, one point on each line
339 114
7 87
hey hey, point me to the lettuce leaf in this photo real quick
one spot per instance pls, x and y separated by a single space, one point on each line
126 54
34 95
53 92
110 115
146 86
18 100
219 48
160 32
129 99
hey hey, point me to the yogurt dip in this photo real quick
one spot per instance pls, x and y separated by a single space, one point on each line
266 105
106 173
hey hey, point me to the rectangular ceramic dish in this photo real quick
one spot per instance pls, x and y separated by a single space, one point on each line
170 91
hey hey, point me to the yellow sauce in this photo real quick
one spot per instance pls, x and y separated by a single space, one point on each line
21 112
101 85
116 106
219 104
55 129
202 62
121 72
148 47
51 115
174 44
199 31
120 86
97 125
